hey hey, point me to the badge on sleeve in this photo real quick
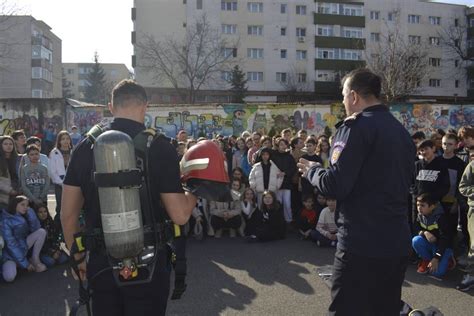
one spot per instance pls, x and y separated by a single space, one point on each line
336 151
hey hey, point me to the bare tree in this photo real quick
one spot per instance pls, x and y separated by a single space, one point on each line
454 39
189 63
401 62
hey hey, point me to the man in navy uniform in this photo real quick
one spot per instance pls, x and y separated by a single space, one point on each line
371 168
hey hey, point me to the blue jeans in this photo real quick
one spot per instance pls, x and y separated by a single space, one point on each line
49 261
427 250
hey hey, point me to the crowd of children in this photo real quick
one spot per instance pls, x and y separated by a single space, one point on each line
269 197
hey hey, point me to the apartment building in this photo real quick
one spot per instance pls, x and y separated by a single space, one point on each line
30 59
75 75
316 42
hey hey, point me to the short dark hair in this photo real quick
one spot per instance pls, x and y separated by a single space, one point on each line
294 141
310 141
31 147
426 143
418 135
128 90
464 132
452 137
18 133
364 82
32 140
427 198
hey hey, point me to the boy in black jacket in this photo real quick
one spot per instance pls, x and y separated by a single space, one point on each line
431 175
434 239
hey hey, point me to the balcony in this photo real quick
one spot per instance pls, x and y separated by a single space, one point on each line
339 42
338 64
344 20
327 88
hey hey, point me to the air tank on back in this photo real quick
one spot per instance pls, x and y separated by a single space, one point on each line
119 206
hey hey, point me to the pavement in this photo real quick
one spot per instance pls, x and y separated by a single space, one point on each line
228 276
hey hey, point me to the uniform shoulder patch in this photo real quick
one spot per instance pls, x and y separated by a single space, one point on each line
336 151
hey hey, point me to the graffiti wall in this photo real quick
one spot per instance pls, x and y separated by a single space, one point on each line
226 119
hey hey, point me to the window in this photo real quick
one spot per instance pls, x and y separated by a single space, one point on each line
353 10
283 31
301 77
456 22
228 5
254 76
349 54
414 39
70 71
325 30
471 22
435 62
328 8
434 40
391 16
283 53
435 83
255 53
435 20
375 37
414 19
199 4
374 15
83 83
456 63
255 7
456 83
300 31
36 72
36 93
325 53
283 8
229 28
301 10
255 30
281 76
230 52
301 54
226 75
351 32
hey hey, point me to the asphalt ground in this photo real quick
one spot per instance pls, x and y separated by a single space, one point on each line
228 276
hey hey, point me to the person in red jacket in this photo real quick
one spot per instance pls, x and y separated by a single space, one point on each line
308 217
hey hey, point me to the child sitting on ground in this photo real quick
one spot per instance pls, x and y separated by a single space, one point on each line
250 212
325 233
434 241
51 252
273 226
308 217
21 231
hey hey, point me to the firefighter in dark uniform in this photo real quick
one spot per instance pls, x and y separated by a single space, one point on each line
371 167
128 106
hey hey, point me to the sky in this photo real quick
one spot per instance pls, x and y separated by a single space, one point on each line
87 26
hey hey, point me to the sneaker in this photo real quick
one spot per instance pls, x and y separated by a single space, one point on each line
451 263
423 266
232 233
39 267
218 233
251 238
466 284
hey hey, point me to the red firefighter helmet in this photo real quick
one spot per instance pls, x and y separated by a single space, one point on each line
204 169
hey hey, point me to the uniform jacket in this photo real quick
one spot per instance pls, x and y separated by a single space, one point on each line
437 224
370 173
256 178
15 230
56 166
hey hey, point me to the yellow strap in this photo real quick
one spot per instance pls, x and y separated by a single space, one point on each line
430 227
177 231
80 246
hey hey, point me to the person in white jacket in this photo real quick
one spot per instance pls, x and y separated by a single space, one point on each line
58 162
265 175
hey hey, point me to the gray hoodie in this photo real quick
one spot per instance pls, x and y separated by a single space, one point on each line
35 181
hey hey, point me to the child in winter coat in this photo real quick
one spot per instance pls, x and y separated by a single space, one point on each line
308 217
51 253
434 240
273 226
265 175
250 212
22 231
325 233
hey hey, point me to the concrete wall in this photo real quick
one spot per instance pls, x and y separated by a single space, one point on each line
227 119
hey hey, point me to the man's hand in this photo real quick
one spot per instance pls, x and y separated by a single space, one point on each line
82 268
433 265
304 166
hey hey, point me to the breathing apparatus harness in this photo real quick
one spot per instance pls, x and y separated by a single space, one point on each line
158 233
